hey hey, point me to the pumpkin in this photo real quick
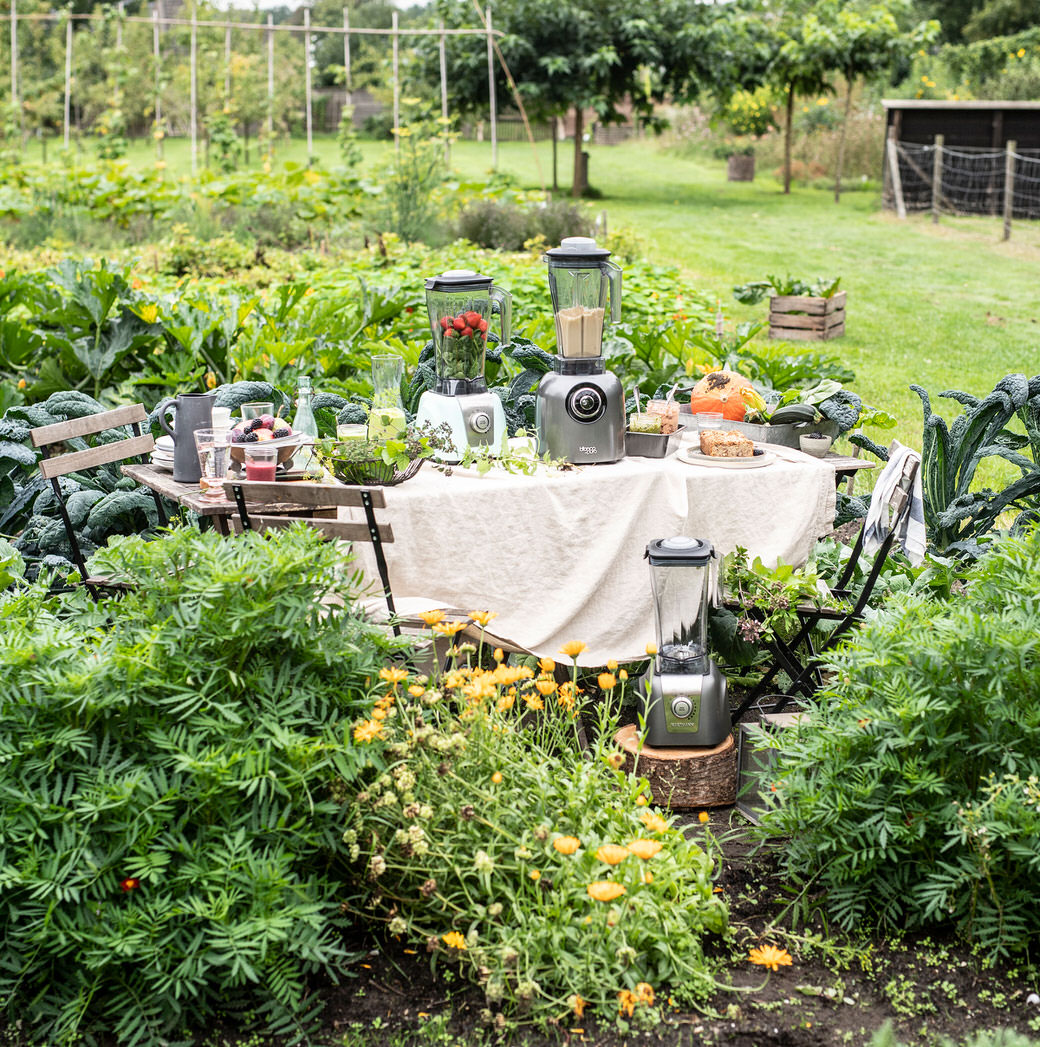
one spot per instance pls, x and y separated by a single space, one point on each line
722 392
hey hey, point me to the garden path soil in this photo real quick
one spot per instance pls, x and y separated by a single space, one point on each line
838 991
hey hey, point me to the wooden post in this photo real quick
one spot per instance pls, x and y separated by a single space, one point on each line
346 56
14 61
270 85
937 165
227 66
442 47
397 84
157 56
119 26
307 81
1009 186
491 90
68 79
194 89
893 173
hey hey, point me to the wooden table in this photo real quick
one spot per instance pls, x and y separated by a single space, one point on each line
212 512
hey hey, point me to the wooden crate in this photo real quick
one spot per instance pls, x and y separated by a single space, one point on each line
801 318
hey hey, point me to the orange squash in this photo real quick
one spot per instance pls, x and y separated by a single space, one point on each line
721 391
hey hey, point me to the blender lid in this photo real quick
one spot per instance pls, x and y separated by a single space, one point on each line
680 551
577 250
458 280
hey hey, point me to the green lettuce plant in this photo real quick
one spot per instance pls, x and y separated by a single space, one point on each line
175 770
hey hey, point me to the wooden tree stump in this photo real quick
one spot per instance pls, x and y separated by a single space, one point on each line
683 778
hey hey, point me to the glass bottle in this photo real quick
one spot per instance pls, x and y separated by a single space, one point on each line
303 424
386 420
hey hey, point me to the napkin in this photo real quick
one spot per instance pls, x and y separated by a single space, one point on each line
911 532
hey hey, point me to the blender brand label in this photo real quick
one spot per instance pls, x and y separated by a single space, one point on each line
588 450
688 723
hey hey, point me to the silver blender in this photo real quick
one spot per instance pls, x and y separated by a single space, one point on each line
460 304
580 407
685 692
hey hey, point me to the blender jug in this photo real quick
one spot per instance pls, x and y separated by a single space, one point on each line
460 304
580 278
681 574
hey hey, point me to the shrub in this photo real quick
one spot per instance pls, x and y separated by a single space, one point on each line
912 792
504 226
170 827
497 844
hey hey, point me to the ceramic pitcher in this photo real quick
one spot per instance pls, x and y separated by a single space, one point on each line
191 411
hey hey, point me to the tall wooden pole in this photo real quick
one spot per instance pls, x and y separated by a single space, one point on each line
227 66
346 57
194 89
68 81
14 61
937 165
894 178
307 80
270 85
491 90
397 83
1009 186
157 58
119 26
442 47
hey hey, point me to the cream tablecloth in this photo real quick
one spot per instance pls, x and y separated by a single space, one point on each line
559 555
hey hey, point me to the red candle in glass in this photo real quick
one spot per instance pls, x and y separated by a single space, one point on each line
261 470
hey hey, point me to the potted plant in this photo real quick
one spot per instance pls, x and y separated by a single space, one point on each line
739 154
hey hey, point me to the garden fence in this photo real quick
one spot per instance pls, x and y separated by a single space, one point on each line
962 180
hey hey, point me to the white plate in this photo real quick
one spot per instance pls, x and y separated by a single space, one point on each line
692 456
165 443
165 466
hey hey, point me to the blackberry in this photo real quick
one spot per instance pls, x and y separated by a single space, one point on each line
255 423
279 433
250 438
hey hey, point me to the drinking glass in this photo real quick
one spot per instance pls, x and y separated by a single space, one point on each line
352 431
212 447
261 462
708 420
255 409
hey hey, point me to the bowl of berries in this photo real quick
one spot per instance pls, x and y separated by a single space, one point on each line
266 428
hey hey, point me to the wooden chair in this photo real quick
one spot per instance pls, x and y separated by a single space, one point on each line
800 656
52 438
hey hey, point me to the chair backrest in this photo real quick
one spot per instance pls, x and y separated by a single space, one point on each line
49 438
298 501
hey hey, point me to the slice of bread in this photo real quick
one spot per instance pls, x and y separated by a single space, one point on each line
730 444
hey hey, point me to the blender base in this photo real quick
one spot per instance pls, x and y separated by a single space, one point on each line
687 710
476 420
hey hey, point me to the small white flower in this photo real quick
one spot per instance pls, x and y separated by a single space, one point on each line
483 862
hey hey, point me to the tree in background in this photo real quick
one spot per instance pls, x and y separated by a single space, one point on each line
979 19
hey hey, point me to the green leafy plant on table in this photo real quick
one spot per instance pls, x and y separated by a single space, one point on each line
499 846
907 796
176 767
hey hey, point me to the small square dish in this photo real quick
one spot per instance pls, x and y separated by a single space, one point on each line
652 445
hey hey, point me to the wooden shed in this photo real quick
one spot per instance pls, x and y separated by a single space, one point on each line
974 124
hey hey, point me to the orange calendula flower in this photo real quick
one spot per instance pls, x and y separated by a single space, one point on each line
651 649
368 730
641 800
606 681
393 674
566 844
654 822
577 1004
573 648
534 702
211 380
483 617
505 703
627 1002
612 665
547 665
499 654
616 760
770 956
703 817
535 875
416 690
622 674
645 993
497 777
449 628
645 849
454 940
605 890
612 854
379 712
545 687
137 283
432 617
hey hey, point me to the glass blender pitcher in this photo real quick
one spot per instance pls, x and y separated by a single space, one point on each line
386 420
580 278
686 699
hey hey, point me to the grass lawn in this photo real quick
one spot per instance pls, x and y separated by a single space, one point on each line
946 306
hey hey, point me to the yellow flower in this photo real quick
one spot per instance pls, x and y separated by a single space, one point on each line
573 648
616 760
605 890
368 730
22 383
545 687
505 703
623 674
454 940
499 654
547 665
651 649
606 681
566 844
379 713
534 702
641 800
535 875
612 665
483 617
416 690
645 849
432 617
703 817
577 1004
654 822
626 1003
1021 52
612 854
645 993
497 777
393 674
449 628
770 956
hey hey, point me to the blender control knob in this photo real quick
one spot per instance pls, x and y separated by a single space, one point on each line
480 422
682 708
586 403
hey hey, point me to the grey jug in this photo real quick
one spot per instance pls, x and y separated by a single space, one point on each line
192 411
